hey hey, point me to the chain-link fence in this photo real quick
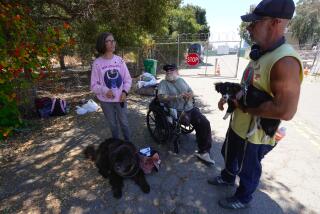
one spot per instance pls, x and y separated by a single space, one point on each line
310 55
216 58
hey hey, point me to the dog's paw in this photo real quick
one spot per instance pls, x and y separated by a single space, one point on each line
145 188
117 194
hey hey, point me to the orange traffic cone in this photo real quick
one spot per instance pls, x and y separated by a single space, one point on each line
305 71
217 71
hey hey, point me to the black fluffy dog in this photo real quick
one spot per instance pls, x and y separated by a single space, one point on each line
116 160
250 97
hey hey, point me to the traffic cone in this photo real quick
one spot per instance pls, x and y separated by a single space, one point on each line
217 71
306 71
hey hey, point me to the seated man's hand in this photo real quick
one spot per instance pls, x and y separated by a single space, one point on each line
187 95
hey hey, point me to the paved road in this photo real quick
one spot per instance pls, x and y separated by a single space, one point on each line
291 171
53 177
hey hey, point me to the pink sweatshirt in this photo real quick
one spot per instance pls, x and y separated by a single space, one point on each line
110 74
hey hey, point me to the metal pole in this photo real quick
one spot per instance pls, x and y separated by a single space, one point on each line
205 73
237 68
215 66
316 55
178 58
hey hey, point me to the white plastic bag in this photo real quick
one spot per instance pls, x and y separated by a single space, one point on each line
81 111
146 79
91 106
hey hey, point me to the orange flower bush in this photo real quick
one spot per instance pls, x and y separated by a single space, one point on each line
25 52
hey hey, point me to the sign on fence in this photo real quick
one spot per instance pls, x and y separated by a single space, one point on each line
193 59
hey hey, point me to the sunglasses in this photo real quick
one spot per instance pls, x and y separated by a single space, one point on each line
253 23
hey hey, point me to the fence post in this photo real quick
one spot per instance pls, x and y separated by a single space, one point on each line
205 73
215 65
178 58
315 68
238 58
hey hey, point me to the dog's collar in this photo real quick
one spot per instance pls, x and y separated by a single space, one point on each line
130 175
135 170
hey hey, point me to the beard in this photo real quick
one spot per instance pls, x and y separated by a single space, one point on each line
172 77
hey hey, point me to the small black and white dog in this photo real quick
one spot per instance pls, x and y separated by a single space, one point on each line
117 160
249 97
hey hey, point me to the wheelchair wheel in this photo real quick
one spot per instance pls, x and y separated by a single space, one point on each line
186 129
158 125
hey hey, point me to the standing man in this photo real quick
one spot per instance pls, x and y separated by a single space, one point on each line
275 68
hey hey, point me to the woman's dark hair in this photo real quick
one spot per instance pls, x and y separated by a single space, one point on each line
101 42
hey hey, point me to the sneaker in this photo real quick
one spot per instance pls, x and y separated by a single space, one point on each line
232 203
218 181
205 157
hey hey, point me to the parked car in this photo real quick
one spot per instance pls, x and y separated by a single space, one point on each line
198 49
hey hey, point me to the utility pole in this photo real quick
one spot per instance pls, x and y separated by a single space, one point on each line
238 58
178 57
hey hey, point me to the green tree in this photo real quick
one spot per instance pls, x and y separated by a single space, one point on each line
188 19
244 34
200 15
25 51
305 25
131 21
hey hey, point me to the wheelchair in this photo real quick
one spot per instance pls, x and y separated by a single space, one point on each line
163 126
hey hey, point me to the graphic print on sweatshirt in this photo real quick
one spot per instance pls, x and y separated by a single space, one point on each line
112 78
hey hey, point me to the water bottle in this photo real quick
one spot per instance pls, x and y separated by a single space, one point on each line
281 132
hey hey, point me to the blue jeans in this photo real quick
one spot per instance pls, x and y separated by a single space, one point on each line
203 130
243 159
113 113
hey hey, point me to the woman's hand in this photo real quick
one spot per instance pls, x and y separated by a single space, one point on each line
123 97
110 94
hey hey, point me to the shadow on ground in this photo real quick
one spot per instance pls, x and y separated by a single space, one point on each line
51 175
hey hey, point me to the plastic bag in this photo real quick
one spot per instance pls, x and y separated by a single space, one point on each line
146 80
91 106
81 111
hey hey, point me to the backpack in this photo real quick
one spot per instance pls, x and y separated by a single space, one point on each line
47 107
58 107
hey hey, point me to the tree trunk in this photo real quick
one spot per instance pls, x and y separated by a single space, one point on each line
61 61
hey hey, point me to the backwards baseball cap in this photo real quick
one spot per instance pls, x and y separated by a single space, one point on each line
282 9
169 67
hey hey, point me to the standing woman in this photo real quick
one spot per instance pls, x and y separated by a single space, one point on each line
111 82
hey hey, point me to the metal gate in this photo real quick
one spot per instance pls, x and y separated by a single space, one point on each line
217 58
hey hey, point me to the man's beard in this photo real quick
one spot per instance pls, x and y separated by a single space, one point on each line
172 77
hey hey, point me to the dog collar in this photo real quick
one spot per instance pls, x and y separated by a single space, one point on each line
135 172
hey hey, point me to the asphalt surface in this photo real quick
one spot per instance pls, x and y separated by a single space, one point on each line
53 177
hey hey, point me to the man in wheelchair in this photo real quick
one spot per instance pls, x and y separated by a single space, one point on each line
177 94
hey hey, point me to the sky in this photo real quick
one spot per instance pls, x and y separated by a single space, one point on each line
223 16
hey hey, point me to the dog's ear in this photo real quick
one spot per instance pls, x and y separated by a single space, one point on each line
132 147
238 86
218 86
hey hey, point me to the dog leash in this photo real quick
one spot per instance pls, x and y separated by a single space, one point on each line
226 149
245 84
